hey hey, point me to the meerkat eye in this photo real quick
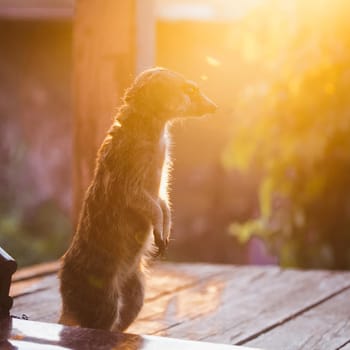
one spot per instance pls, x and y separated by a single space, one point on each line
191 89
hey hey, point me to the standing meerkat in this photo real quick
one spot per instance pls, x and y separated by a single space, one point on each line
101 279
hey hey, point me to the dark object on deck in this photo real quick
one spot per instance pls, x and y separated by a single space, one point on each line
7 267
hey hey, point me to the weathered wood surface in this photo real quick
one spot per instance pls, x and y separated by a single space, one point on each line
324 327
263 307
24 335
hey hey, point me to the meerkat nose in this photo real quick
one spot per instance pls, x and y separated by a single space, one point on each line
213 107
210 106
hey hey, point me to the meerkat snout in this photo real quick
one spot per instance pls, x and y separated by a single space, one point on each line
199 104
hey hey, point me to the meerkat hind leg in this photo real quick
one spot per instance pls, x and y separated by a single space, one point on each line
132 296
67 320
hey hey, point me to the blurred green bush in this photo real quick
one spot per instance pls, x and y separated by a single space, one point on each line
294 128
40 236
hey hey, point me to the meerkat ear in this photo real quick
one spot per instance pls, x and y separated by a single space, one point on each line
137 96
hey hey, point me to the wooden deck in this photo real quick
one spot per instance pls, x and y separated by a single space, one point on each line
259 307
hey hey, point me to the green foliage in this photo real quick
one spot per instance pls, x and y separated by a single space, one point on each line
31 231
35 238
295 128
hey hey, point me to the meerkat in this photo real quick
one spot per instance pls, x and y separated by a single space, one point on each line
101 278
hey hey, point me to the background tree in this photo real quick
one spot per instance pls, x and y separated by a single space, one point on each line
294 126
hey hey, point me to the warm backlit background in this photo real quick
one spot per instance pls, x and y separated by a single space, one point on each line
266 180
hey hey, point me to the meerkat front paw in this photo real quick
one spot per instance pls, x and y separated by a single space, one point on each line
162 239
166 221
160 244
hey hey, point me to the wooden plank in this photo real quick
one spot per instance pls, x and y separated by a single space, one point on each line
33 285
243 311
166 277
37 335
42 305
214 303
36 271
162 314
31 295
34 278
324 327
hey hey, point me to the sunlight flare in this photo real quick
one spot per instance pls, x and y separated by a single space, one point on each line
213 61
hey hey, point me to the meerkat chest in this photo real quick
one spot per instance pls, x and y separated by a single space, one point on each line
163 148
157 164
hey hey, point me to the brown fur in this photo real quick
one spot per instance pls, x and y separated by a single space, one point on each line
101 277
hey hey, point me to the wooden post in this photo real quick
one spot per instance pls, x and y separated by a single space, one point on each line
105 60
145 34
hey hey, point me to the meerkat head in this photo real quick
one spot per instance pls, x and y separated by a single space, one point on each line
162 94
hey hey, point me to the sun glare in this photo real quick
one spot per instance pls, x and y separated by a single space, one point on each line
213 61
